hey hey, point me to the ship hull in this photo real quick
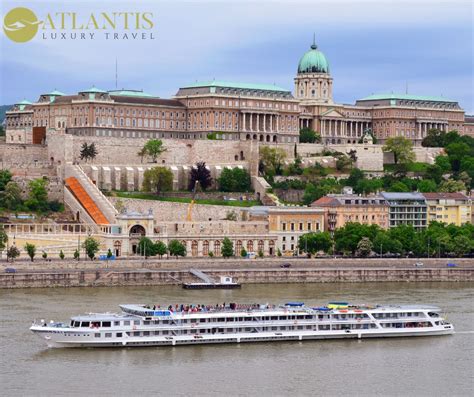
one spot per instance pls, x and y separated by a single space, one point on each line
57 340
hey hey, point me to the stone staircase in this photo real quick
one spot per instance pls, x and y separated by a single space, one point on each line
83 196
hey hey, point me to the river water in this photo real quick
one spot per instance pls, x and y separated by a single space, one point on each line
431 366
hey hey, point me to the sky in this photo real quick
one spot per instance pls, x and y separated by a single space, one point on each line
373 46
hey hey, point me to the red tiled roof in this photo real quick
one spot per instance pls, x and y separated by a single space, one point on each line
325 202
452 196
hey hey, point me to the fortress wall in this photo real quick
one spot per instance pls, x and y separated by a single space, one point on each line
123 151
24 154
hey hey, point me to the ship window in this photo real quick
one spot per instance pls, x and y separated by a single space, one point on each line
108 334
116 322
97 335
165 321
126 323
85 324
76 323
283 318
136 322
146 322
118 334
202 320
146 333
106 323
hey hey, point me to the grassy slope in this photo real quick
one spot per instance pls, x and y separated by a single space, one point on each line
149 196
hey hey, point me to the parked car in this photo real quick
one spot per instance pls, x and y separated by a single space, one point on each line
419 264
451 265
10 270
285 265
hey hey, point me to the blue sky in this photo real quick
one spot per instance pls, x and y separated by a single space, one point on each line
372 47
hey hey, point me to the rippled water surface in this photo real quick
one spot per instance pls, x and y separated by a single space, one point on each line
431 366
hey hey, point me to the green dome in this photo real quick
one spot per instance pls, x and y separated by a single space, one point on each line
313 61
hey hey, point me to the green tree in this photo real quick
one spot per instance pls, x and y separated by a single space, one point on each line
176 248
61 255
12 253
260 253
3 239
243 252
76 255
109 254
312 193
355 176
145 247
434 138
160 248
12 196
227 248
234 180
201 174
456 152
312 243
30 250
427 186
91 246
153 148
347 237
462 245
444 163
452 186
44 255
88 152
399 187
272 159
364 247
383 243
38 195
343 162
402 149
5 177
307 135
279 252
157 180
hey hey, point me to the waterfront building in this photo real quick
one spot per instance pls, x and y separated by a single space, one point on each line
340 209
289 224
406 209
236 111
448 208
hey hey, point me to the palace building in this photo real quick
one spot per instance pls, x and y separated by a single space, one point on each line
236 111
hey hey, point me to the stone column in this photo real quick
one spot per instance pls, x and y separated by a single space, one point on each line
258 122
278 122
264 122
245 125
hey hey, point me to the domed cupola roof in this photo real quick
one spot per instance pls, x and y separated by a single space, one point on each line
313 61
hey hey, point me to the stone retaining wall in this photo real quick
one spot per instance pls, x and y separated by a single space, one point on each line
252 276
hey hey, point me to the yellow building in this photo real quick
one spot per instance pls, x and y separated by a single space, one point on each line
289 223
448 208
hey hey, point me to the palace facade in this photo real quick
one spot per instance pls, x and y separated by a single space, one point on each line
236 111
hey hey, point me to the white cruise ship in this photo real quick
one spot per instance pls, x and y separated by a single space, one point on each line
142 325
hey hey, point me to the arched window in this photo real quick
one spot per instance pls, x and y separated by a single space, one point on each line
260 245
217 248
205 248
271 248
238 247
250 245
194 248
117 248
